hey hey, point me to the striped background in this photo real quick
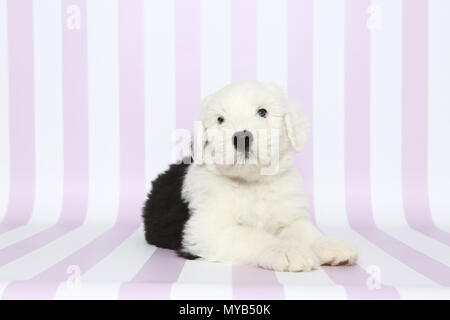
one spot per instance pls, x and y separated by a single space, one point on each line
88 107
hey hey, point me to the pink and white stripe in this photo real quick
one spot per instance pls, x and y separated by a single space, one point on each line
87 114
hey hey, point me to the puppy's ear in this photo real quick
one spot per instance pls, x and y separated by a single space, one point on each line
297 127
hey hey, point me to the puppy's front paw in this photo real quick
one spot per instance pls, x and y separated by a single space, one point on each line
288 256
331 251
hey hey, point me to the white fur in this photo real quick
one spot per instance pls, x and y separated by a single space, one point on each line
239 215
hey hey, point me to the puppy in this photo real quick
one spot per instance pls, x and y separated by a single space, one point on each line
241 201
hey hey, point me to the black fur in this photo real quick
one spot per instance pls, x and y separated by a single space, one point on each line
165 212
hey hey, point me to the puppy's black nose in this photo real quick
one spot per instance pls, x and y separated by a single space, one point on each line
242 140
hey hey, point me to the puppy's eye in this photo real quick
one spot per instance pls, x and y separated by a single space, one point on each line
220 120
262 112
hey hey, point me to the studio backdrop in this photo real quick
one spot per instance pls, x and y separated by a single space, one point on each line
92 93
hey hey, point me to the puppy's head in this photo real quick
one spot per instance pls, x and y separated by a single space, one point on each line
249 129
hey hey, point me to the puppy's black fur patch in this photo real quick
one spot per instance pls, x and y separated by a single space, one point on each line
165 212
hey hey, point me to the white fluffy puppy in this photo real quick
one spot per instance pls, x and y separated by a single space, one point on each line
242 201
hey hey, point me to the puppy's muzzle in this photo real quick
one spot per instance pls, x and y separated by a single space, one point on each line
242 140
